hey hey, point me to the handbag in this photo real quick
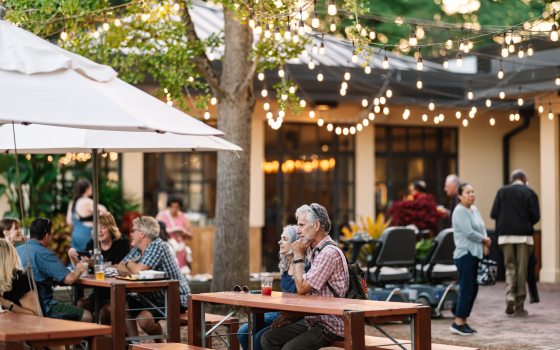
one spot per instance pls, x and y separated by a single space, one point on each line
487 272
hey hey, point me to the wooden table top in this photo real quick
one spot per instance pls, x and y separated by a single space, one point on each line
90 281
308 304
18 327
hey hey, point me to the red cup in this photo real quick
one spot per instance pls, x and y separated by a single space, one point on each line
266 285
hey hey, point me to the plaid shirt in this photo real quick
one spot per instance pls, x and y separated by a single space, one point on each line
327 265
158 257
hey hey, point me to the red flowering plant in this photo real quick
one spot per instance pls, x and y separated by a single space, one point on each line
419 210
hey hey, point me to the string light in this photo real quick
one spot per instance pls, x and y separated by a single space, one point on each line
330 127
359 127
331 9
389 93
266 106
281 73
365 122
367 69
344 85
521 51
458 115
406 114
315 21
264 92
338 130
431 106
311 65
364 103
385 63
519 98
345 131
488 103
505 51
424 117
332 27
550 114
419 63
502 95
413 41
459 59
382 100
554 32
419 84
557 80
213 101
322 48
492 121
347 76
465 122
377 109
354 57
206 115
312 114
371 116
445 63
541 107
470 95
449 42
320 122
260 76
501 71
320 77
530 50
386 110
302 103
511 46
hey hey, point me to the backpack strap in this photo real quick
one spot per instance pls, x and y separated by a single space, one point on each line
345 264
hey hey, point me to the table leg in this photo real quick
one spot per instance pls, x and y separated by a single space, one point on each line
257 323
194 327
354 330
423 328
118 315
173 323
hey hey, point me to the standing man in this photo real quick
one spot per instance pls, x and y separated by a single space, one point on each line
328 273
516 210
450 187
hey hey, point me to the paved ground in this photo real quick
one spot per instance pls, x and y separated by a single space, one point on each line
497 331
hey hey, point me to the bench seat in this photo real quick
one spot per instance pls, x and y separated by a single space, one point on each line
232 325
165 346
382 343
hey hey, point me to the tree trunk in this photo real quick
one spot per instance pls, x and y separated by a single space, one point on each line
235 109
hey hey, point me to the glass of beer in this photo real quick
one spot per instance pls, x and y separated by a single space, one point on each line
99 272
266 285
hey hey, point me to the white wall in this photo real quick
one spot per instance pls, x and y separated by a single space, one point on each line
133 176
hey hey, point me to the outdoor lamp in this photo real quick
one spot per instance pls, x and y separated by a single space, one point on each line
554 32
331 10
315 21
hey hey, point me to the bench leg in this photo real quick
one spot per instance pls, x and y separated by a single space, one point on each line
354 330
233 341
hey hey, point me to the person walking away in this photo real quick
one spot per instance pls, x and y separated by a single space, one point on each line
471 243
516 211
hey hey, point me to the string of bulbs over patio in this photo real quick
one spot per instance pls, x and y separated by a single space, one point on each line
365 51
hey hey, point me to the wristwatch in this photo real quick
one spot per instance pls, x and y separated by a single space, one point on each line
298 261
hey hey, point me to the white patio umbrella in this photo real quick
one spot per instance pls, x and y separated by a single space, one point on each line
41 83
45 139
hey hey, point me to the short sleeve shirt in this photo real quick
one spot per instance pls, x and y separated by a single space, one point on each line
47 269
158 257
327 265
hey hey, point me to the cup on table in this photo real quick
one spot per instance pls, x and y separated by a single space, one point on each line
266 285
99 272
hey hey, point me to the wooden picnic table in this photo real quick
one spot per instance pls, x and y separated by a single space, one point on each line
15 329
354 313
119 288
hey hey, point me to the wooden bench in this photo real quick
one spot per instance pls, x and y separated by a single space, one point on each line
165 346
382 343
232 325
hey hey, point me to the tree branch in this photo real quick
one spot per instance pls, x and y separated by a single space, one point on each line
203 64
250 74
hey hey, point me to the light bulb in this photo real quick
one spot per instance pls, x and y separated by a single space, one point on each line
382 100
424 117
260 76
541 108
322 49
344 85
376 101
554 32
105 26
312 114
530 50
320 77
505 52
550 115
449 44
63 36
287 35
445 63
520 101
281 73
264 93
266 106
488 103
332 27
330 127
420 64
461 45
311 65
347 76
118 22
436 119
419 84
465 122
431 106
377 109
459 60
371 116
492 121
501 74
412 40
320 122
458 115
345 131
557 80
372 35
511 117
389 93
406 114
511 46
331 10
502 95
338 130
364 103
521 52
359 127
386 110
292 89
367 69
302 103
354 58
206 115
352 130
213 101
470 95
315 22
342 92
385 63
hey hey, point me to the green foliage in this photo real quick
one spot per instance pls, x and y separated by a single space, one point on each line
61 237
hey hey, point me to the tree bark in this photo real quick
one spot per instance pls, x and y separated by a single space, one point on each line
235 109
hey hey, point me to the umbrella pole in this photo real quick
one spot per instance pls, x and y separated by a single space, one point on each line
95 185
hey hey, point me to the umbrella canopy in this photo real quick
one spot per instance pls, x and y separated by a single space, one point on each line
54 139
41 83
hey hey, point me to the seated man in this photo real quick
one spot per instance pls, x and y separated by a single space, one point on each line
47 269
149 252
328 272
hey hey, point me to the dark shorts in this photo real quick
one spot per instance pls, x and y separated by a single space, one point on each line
65 311
137 305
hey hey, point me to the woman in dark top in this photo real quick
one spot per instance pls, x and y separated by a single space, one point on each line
287 284
15 291
113 249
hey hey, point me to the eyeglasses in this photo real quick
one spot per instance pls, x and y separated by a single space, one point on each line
238 289
315 210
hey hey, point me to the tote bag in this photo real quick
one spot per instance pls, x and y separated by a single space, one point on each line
487 272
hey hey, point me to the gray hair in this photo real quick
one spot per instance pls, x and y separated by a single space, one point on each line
291 232
519 174
316 213
148 225
453 178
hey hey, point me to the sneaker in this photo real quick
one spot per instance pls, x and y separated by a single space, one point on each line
521 313
472 329
510 308
461 329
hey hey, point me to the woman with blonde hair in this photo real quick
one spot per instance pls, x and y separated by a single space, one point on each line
113 248
15 291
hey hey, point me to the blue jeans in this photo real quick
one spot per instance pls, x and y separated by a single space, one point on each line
467 266
243 330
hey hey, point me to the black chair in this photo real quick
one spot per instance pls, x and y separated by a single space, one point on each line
394 257
439 265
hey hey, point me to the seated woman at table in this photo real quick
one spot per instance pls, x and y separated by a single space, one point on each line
10 230
113 249
15 292
287 284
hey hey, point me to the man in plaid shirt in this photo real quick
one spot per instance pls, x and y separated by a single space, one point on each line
328 267
150 253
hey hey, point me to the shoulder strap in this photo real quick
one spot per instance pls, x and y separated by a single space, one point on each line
345 264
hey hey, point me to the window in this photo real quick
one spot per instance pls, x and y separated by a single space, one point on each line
406 154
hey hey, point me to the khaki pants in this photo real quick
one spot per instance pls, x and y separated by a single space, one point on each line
516 258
